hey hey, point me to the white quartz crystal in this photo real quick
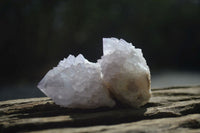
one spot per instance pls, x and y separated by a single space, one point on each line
76 83
121 74
125 72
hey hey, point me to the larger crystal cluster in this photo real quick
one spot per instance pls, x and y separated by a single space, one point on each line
120 75
125 72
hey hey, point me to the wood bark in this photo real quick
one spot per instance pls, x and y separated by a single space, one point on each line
173 109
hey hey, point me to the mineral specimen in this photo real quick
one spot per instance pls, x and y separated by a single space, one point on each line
125 72
76 83
121 74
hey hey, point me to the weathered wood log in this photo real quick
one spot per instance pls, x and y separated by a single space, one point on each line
174 109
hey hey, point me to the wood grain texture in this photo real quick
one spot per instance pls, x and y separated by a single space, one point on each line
173 109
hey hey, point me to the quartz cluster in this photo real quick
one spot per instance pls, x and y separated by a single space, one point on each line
120 75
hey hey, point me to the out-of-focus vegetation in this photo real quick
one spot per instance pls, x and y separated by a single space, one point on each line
36 34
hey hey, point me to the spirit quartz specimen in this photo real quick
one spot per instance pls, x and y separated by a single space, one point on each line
121 74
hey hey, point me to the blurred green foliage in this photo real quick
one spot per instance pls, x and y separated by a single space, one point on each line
36 34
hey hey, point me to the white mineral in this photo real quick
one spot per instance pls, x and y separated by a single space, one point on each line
76 83
122 72
125 72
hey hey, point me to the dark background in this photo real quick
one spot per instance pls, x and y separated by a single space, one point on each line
36 34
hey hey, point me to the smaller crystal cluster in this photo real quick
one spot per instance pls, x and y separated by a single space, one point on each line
121 74
76 83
